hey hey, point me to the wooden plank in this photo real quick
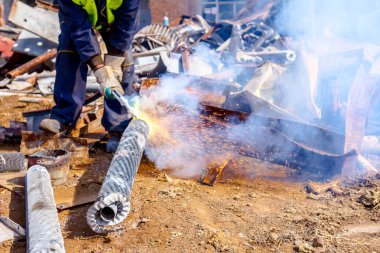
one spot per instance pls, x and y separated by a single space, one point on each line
36 20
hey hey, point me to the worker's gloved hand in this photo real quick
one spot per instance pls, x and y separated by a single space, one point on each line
107 80
115 62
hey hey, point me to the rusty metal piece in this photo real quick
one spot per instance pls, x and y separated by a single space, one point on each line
89 122
34 118
148 83
12 162
13 132
31 64
186 60
47 4
306 148
214 172
246 101
55 161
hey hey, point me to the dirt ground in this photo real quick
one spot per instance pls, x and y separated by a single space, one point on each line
239 214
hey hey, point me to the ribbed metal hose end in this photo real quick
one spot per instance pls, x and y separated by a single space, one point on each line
42 224
112 205
12 162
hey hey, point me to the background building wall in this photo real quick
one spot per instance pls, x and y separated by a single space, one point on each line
174 8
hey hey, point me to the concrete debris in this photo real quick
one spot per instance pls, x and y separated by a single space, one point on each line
113 203
43 229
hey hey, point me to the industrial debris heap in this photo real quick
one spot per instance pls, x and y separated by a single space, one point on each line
208 95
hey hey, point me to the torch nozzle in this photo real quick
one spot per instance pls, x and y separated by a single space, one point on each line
124 102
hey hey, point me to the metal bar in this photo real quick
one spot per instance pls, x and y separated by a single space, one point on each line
10 230
113 203
31 64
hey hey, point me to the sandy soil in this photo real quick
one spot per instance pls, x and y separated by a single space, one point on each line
253 214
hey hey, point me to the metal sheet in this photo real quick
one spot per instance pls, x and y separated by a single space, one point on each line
10 230
36 20
32 44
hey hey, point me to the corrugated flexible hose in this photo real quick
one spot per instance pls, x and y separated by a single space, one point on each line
42 224
113 203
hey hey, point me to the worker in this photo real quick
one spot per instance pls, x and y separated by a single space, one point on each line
116 21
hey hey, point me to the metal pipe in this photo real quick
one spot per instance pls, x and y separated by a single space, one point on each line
288 55
31 64
12 162
113 203
43 232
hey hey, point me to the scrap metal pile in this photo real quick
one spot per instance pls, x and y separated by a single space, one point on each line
236 70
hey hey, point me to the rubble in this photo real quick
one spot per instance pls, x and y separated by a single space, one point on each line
237 71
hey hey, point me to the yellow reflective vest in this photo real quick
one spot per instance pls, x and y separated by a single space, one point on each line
92 10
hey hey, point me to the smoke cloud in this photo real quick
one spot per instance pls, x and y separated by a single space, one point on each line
332 40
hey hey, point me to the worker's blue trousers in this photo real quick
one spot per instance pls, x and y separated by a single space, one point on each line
70 90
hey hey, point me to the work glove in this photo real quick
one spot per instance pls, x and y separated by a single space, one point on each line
107 81
115 62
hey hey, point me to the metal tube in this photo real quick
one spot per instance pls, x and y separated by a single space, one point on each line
43 232
31 64
113 203
12 162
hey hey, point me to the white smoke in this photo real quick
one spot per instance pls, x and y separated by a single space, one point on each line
333 38
321 31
